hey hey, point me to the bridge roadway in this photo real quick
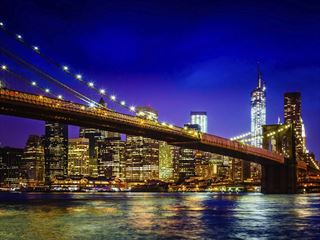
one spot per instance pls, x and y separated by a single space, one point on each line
39 107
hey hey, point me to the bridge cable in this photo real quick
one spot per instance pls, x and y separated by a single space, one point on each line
47 77
66 70
32 83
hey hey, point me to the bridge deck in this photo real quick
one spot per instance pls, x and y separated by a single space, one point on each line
44 108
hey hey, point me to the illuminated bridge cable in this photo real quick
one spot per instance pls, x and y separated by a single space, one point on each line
48 77
65 69
32 83
102 92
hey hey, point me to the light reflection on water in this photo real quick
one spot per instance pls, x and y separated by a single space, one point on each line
159 216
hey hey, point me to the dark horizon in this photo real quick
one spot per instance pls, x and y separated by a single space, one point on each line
176 56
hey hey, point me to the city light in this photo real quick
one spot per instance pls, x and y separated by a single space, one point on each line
1 24
123 103
65 68
35 48
79 76
33 83
102 91
113 97
59 96
47 90
132 108
91 105
91 84
3 67
19 36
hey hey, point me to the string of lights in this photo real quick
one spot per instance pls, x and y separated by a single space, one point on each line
240 136
66 69
31 83
284 127
49 78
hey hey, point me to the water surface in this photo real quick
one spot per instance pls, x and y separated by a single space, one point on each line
35 216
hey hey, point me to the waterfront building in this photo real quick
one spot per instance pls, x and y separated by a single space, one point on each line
96 138
201 119
186 166
55 150
33 160
186 163
78 157
10 165
142 159
111 158
166 155
142 154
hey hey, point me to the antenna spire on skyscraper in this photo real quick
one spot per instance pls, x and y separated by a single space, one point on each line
259 75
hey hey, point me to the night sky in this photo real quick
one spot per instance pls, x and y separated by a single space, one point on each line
176 56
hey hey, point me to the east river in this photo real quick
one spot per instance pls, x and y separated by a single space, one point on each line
36 216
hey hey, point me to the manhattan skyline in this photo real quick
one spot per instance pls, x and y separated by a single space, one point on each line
208 66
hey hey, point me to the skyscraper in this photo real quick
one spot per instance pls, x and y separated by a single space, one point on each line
55 150
187 164
142 154
292 115
201 119
258 111
166 155
10 165
33 159
97 140
78 157
111 161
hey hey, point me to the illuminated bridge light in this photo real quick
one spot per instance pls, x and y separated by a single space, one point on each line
47 90
1 24
83 107
78 76
59 96
90 84
170 126
35 48
102 91
164 123
3 67
33 83
91 105
113 97
123 103
65 68
132 108
19 36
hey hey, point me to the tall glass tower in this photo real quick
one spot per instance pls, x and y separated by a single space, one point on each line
201 119
258 111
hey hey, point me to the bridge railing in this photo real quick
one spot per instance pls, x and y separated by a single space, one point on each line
93 111
136 121
234 145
